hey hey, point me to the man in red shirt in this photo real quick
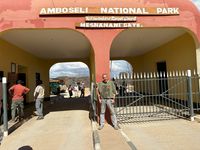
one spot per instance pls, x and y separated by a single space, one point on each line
18 91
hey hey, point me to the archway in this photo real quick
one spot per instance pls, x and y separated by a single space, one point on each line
38 49
154 52
31 52
145 47
68 76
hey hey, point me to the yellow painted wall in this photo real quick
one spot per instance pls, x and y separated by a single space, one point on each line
31 64
10 53
179 54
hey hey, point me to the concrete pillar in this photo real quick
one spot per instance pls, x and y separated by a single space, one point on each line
92 66
102 63
45 78
101 43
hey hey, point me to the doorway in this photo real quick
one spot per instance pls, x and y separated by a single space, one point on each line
162 71
1 74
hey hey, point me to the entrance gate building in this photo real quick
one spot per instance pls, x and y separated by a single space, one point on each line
36 35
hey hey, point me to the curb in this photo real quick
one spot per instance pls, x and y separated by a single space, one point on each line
128 141
197 119
95 135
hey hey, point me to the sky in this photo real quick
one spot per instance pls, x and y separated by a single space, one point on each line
69 69
197 3
81 69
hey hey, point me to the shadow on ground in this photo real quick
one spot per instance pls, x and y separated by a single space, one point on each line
56 103
25 148
63 104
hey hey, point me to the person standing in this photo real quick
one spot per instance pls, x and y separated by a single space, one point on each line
70 89
75 90
116 85
17 92
39 99
82 89
106 92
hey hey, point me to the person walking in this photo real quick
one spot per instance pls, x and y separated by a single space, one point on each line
17 92
106 92
39 98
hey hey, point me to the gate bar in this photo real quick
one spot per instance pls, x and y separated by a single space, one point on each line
190 95
5 113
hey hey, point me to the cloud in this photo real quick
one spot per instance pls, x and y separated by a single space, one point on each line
76 69
118 66
69 69
197 3
63 66
71 73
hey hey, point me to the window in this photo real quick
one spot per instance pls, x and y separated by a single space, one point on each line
13 67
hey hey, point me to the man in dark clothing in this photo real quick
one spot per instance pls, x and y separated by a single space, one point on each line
82 89
70 89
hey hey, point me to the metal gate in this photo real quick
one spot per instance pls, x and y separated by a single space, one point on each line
156 96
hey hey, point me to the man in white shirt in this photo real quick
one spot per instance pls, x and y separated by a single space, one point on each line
39 98
76 90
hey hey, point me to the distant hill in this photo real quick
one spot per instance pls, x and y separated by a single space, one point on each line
72 80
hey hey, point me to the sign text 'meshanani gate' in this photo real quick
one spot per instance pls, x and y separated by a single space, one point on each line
108 25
